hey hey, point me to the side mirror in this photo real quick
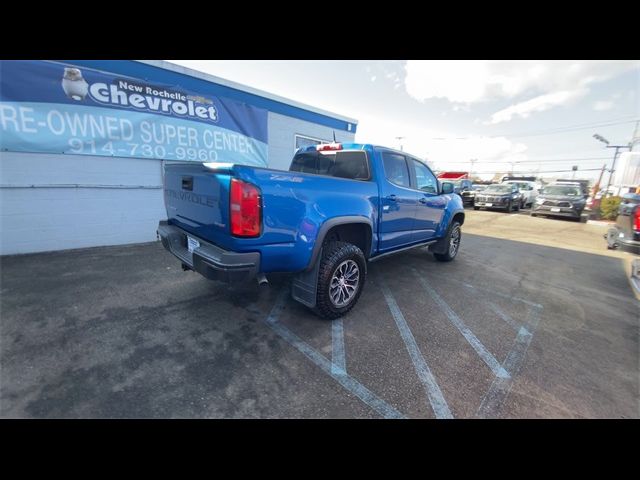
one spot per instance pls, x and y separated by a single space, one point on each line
447 187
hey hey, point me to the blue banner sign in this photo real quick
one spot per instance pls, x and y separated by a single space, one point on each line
52 107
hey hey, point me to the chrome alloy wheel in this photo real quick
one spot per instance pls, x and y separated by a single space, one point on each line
344 283
454 241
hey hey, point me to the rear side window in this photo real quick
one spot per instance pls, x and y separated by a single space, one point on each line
342 164
395 169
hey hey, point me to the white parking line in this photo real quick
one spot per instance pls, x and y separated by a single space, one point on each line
506 318
436 399
348 382
500 388
338 358
457 322
517 299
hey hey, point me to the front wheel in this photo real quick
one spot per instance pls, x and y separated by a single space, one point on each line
453 241
341 278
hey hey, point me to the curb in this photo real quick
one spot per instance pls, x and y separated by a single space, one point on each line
601 222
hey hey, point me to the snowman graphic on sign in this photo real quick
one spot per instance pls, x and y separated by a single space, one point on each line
74 85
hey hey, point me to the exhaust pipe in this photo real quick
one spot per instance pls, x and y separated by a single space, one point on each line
262 279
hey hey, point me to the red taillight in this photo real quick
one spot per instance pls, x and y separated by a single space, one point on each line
328 146
636 219
245 209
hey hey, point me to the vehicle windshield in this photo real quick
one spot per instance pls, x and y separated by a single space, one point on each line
521 186
505 188
566 190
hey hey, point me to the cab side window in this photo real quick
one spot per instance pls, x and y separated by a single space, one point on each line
395 169
425 180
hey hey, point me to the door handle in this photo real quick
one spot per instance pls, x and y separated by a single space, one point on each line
423 200
392 197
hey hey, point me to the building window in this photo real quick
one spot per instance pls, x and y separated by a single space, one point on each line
304 141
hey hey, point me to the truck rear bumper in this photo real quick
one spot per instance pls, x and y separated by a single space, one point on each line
209 260
626 242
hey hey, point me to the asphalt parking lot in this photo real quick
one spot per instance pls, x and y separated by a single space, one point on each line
534 319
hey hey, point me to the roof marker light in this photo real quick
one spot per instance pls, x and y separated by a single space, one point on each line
328 146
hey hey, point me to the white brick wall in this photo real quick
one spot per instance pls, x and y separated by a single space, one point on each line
42 219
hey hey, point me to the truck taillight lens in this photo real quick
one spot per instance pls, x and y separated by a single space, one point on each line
246 210
636 219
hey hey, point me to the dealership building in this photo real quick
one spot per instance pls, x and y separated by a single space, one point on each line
83 142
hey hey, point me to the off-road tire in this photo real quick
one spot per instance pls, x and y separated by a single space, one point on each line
447 257
334 253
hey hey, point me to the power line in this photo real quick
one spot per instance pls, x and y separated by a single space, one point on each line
567 128
558 160
529 172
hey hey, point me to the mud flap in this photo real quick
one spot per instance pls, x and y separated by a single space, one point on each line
441 246
304 287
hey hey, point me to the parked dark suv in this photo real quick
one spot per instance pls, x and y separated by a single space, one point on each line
560 200
464 188
504 196
626 232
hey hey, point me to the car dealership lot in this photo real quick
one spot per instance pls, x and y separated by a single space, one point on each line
535 318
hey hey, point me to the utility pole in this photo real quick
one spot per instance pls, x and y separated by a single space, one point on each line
400 140
615 156
595 203
613 166
473 160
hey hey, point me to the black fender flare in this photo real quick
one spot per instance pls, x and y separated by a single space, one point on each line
328 225
441 246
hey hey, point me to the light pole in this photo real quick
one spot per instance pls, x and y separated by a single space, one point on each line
473 160
400 140
615 156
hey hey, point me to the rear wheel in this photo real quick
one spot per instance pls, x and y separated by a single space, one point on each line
476 208
341 278
453 243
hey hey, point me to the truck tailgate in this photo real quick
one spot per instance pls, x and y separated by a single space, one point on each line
197 199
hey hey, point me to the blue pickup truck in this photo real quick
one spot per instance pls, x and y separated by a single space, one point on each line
338 207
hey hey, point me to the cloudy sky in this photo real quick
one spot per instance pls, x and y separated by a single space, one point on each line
534 116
